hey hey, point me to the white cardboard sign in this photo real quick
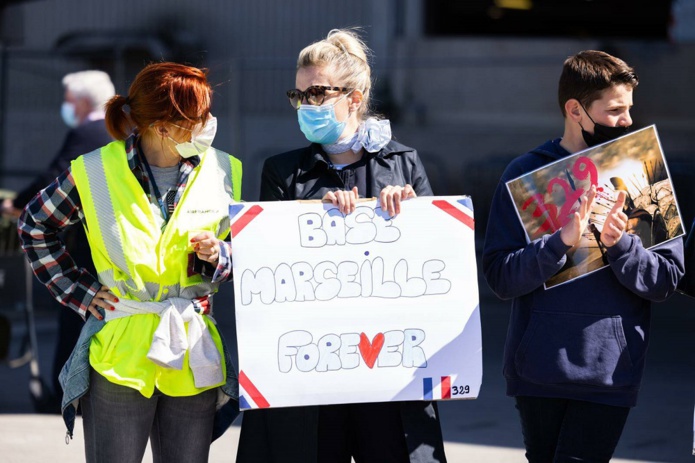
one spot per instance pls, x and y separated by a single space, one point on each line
358 308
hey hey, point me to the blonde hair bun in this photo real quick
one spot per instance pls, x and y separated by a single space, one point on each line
347 57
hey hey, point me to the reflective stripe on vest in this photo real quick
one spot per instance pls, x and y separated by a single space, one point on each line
132 255
237 172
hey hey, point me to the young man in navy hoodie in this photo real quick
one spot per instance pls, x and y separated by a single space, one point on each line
574 354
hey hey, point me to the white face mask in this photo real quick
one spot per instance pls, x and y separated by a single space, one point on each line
201 140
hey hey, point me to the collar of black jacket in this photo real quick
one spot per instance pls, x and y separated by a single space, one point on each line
318 157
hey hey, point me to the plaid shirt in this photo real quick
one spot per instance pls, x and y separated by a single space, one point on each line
58 206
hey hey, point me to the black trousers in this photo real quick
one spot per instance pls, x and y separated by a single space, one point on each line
563 431
371 433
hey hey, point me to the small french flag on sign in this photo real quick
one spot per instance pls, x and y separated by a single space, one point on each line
432 390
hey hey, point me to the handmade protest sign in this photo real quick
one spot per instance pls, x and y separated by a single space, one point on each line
546 198
358 308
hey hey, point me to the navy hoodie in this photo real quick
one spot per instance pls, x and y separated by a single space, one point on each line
585 339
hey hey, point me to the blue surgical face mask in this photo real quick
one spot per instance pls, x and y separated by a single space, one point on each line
319 124
67 112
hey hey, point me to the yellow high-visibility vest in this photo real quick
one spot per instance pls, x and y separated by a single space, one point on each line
138 260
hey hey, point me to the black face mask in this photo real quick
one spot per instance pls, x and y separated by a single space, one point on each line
602 133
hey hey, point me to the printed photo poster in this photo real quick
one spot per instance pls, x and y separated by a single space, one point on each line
546 198
337 309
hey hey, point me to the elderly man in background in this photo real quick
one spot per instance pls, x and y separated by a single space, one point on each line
82 110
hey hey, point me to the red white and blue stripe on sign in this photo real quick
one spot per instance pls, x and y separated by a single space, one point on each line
240 218
249 395
461 210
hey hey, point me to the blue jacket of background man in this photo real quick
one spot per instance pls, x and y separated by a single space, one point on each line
585 339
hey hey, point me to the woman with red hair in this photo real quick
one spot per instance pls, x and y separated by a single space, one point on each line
150 361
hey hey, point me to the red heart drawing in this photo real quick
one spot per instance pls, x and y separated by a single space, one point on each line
370 351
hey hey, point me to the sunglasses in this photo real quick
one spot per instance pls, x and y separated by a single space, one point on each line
314 95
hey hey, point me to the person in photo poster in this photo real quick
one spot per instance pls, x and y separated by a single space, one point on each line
351 155
150 362
575 353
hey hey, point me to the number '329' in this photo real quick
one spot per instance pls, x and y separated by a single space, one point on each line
460 390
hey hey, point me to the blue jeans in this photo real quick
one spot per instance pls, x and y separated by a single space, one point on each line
118 421
562 430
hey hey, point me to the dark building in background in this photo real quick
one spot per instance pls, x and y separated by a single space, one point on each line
464 82
643 19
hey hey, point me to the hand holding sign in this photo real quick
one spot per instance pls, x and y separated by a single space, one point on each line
572 232
206 246
615 223
346 200
391 197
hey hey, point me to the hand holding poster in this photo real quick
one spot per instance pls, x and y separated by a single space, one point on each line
357 308
547 198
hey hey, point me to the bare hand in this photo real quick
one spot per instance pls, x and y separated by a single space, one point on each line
391 197
345 200
572 232
103 299
615 223
206 246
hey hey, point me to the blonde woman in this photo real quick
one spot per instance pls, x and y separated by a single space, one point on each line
351 155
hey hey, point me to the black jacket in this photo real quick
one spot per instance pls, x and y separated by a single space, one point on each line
289 435
305 173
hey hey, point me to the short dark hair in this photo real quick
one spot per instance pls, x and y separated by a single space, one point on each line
588 73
